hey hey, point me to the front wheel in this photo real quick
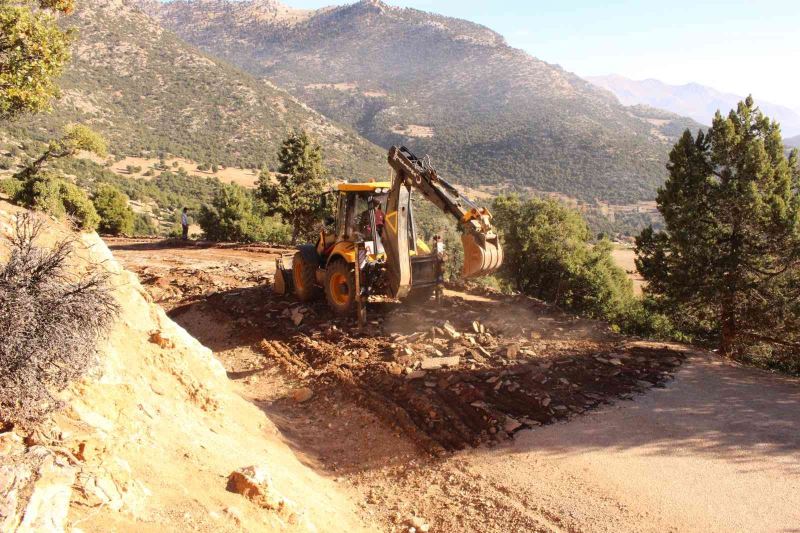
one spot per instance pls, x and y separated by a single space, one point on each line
340 288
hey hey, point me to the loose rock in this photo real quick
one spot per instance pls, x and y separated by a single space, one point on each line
511 425
255 484
435 363
418 524
156 337
302 394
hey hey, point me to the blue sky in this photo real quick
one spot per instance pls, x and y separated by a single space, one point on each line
738 46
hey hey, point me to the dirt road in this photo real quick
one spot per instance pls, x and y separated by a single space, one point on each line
718 449
576 430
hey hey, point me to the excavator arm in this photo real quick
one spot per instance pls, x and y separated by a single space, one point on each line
483 253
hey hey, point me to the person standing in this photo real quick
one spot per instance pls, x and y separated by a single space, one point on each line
441 257
185 223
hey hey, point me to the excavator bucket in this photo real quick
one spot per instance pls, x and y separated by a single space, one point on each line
483 255
283 282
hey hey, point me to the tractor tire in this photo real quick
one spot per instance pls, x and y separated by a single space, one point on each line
340 288
304 278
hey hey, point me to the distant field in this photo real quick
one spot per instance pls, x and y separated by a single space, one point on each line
242 176
625 258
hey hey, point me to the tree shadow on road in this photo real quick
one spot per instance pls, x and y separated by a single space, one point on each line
713 408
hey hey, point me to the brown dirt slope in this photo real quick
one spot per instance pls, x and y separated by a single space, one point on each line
148 441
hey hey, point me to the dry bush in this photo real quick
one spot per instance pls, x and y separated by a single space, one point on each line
50 321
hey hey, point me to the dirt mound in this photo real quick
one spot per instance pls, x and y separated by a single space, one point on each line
150 438
463 373
475 369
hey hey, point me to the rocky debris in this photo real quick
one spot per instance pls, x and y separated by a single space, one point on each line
450 375
254 483
435 363
450 331
298 315
36 498
511 425
110 486
13 480
301 395
158 338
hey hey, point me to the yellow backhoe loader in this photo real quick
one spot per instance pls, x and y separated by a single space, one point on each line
371 245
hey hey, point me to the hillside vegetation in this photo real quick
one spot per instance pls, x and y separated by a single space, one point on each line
489 113
147 92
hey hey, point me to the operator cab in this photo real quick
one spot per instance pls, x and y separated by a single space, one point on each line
360 215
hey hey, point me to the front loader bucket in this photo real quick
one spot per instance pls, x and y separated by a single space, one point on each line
482 255
283 281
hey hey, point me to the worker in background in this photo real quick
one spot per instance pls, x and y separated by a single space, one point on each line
185 223
441 255
438 246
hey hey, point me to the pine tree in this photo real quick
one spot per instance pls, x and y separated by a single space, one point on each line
233 216
116 216
295 195
549 255
728 263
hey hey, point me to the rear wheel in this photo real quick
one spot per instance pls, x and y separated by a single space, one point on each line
304 277
340 288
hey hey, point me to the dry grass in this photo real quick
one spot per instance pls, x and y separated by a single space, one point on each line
625 258
241 176
50 321
413 130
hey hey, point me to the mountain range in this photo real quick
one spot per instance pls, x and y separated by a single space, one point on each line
150 92
693 100
489 114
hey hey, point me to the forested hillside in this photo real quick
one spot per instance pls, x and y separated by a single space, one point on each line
147 91
488 113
